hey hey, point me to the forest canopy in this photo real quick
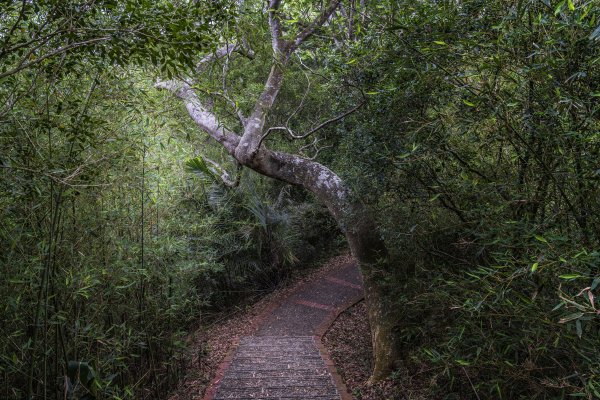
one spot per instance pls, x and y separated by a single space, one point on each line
162 162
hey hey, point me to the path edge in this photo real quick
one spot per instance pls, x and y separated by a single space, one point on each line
211 389
321 331
262 317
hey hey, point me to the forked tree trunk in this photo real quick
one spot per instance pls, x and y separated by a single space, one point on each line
350 213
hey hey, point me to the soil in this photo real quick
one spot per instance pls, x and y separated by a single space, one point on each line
348 341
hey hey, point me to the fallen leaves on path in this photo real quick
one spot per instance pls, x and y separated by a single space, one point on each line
348 341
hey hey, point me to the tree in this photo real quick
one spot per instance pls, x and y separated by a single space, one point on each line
248 149
59 64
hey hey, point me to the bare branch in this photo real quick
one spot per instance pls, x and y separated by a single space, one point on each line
226 51
334 119
306 146
310 69
223 174
212 94
312 131
226 96
245 50
301 105
313 144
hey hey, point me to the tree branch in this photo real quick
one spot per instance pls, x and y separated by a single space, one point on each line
245 148
253 130
250 141
275 27
23 64
226 51
223 174
205 119
317 23
226 96
301 105
317 128
313 144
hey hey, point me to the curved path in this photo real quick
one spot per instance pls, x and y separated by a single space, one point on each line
285 359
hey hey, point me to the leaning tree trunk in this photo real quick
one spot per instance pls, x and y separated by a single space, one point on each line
249 150
363 237
350 213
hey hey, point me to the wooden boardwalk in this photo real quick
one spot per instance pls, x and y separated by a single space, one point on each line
285 358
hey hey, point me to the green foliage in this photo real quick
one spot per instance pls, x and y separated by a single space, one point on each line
81 373
73 287
110 248
480 152
477 151
169 35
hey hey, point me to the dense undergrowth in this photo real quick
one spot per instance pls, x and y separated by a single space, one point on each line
112 248
482 162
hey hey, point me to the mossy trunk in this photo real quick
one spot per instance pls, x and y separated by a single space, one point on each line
383 324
